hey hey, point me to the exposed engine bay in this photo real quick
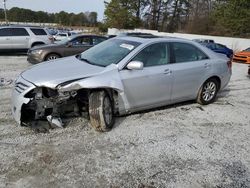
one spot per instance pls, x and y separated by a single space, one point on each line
49 104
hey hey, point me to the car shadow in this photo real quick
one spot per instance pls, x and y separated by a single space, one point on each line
119 119
224 93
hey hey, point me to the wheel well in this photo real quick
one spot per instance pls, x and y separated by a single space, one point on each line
37 43
51 54
217 79
113 94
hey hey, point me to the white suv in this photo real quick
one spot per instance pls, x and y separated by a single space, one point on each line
22 38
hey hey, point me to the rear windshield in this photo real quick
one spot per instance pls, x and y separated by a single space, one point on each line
38 31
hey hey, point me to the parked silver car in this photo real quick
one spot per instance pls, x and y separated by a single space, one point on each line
119 76
22 38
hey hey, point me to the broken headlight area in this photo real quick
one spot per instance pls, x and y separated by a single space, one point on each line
50 104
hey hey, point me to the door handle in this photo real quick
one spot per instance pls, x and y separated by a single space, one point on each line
207 65
7 39
167 71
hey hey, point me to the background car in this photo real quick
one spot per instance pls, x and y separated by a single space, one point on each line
121 75
137 34
62 36
74 45
219 48
242 57
20 38
203 40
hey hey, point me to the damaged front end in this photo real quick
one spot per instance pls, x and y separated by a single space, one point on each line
50 104
55 99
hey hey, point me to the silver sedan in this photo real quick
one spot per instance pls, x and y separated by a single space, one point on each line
117 77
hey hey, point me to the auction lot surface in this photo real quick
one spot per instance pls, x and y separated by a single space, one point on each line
184 145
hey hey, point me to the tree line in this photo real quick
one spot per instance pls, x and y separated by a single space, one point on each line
217 17
16 14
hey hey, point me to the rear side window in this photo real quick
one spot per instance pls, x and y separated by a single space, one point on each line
81 41
13 32
184 52
97 40
5 32
19 32
38 31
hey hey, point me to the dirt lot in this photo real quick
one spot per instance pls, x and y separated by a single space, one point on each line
184 145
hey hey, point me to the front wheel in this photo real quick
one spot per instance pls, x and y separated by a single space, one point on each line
52 57
208 92
101 111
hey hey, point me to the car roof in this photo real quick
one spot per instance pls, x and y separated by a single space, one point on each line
21 26
88 35
155 39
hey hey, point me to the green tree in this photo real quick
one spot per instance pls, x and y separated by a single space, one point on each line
68 19
121 14
232 18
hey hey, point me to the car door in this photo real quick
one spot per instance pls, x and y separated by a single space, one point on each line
151 86
79 45
191 66
5 38
20 38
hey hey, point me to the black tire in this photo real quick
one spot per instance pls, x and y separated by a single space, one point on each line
101 111
208 92
51 57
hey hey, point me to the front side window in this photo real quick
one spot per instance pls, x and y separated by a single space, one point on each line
19 32
38 31
154 55
109 52
184 52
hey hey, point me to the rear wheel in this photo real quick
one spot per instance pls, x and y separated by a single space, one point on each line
208 92
101 111
52 57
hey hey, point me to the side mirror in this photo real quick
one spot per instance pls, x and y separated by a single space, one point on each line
135 65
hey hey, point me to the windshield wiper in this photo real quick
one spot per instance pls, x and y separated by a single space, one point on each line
89 62
84 59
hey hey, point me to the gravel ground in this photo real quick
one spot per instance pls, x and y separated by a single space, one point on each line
184 145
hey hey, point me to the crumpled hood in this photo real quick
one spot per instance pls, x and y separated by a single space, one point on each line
52 73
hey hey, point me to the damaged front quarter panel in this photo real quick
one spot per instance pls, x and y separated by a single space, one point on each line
108 79
71 97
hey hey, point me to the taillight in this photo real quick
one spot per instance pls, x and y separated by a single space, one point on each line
229 63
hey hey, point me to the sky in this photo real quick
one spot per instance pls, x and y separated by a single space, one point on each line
53 6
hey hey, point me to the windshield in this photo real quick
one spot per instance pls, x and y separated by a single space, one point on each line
109 52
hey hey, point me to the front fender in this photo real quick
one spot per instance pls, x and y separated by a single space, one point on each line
107 79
